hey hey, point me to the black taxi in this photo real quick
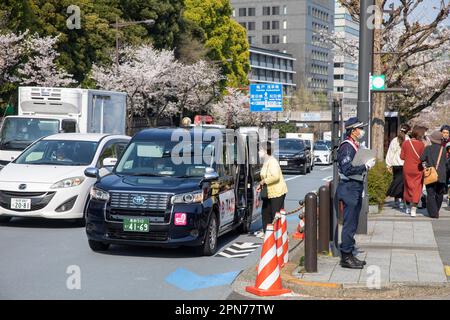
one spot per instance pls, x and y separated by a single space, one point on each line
175 187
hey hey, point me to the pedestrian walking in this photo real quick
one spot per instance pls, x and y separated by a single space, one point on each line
434 156
412 169
272 186
350 190
395 166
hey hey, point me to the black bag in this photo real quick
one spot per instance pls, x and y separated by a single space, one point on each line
264 194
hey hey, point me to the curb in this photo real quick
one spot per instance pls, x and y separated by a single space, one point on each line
329 290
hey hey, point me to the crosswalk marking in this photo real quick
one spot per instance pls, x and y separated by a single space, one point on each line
239 250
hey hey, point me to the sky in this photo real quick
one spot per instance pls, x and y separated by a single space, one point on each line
426 12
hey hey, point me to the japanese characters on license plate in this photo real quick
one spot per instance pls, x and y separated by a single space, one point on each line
136 224
20 204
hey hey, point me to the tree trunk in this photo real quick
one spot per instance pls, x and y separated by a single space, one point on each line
378 99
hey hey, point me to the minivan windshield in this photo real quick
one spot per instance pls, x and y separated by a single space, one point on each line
321 147
291 145
59 153
19 133
166 158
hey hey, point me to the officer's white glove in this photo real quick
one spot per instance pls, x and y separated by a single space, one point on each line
370 164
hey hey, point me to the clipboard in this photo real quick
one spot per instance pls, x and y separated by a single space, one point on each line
362 156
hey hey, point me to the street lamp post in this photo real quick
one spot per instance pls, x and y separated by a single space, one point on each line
119 25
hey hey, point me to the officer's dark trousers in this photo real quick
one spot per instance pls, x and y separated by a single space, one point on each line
350 193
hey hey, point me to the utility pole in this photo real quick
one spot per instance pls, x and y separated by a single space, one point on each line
363 107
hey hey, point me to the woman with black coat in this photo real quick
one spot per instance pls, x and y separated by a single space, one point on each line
430 157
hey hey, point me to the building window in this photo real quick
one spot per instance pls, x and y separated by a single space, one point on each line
340 89
234 13
251 12
266 11
284 9
266 25
338 77
338 64
284 38
275 25
284 24
276 11
275 39
250 40
242 12
243 24
251 25
266 39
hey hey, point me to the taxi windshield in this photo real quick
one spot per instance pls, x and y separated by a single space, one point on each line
166 158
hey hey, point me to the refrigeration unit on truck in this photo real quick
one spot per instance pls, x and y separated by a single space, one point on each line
45 111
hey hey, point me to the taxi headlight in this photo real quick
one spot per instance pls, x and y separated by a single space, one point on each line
190 197
99 194
68 183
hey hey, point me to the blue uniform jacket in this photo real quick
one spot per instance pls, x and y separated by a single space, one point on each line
345 156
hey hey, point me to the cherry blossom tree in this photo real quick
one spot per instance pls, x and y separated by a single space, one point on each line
233 110
413 54
157 85
40 69
11 50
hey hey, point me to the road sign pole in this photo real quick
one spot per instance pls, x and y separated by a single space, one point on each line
365 68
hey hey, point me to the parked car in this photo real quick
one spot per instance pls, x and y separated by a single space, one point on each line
294 155
322 154
47 180
152 198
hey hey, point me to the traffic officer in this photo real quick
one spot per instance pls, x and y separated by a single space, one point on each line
350 190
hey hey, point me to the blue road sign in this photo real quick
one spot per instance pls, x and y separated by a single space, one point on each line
266 97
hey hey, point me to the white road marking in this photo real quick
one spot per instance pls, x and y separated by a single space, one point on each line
327 168
328 178
292 178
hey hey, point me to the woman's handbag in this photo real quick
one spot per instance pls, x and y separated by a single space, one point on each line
264 194
430 174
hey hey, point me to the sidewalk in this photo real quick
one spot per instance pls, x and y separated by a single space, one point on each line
403 248
404 257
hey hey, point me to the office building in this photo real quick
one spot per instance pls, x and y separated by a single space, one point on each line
291 26
345 67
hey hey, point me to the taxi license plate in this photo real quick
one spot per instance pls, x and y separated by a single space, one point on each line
136 224
20 204
283 163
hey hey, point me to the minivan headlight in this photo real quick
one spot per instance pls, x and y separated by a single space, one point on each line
68 183
190 197
99 194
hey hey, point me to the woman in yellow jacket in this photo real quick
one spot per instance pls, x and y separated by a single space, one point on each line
271 179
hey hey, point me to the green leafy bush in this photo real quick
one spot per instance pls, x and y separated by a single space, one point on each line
379 180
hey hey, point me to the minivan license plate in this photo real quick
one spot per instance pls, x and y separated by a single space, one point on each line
283 163
136 224
20 204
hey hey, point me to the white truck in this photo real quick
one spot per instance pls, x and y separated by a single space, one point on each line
45 111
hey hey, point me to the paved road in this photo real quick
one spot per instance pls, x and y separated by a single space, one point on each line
40 257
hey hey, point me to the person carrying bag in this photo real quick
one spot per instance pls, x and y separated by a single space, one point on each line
434 174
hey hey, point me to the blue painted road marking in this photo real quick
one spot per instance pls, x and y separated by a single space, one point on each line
188 281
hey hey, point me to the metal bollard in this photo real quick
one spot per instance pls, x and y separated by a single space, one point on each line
311 232
324 219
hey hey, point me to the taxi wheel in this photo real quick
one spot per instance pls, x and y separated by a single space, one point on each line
246 224
98 246
5 219
209 247
303 170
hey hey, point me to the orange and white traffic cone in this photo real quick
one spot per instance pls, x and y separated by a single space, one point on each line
284 238
299 233
279 238
268 280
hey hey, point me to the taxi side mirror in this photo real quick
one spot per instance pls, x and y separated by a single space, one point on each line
209 176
